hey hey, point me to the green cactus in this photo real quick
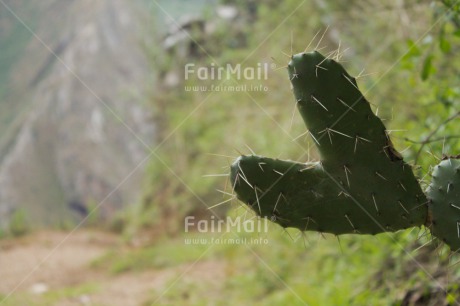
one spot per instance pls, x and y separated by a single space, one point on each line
444 195
361 185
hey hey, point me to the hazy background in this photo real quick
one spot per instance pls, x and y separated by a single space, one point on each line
105 148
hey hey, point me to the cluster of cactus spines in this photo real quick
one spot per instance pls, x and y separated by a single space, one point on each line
361 184
444 207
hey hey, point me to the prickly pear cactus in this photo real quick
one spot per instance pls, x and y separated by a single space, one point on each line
361 185
444 195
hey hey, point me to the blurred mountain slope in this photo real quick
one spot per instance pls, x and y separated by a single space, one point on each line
64 145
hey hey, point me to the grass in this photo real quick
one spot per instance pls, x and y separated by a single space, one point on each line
52 297
18 224
291 269
164 254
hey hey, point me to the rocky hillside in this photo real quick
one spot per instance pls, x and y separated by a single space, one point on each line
69 89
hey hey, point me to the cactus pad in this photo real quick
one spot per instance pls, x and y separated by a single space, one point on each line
361 185
444 195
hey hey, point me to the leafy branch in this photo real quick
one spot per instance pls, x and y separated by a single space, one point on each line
429 139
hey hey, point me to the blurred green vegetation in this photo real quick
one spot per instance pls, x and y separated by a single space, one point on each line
76 294
291 269
163 254
408 48
409 52
18 224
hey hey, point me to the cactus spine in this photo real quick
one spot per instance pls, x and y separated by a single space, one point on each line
444 194
361 184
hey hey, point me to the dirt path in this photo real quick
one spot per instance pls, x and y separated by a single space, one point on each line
33 267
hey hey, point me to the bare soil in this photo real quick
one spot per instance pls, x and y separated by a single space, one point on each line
49 261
